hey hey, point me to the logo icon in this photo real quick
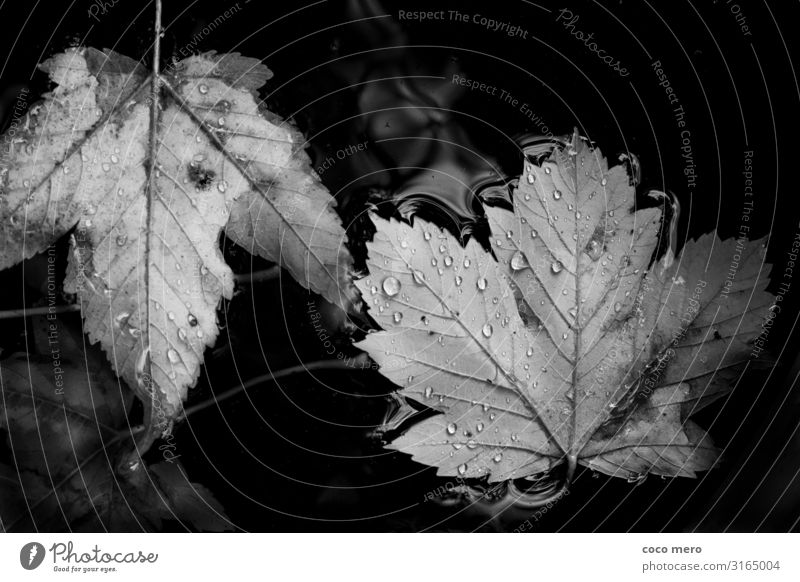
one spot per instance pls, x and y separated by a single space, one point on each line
31 555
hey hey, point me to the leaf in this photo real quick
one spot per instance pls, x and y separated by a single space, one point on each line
572 344
149 199
65 415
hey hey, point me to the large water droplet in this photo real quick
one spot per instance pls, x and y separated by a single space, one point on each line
618 307
556 267
487 330
482 283
397 317
459 280
428 391
391 286
448 261
452 428
122 318
556 194
462 469
594 249
202 88
419 277
173 356
498 457
519 261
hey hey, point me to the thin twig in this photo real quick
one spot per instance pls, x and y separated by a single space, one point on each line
30 311
258 276
230 393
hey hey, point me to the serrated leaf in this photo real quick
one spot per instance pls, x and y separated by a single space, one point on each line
150 198
573 344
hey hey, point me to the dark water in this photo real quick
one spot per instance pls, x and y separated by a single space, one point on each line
302 454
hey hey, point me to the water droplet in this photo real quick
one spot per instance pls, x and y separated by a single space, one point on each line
191 319
604 181
391 286
428 391
556 267
547 169
173 356
114 159
458 280
466 263
482 283
106 167
452 428
171 316
182 334
203 89
419 277
498 457
618 307
519 261
121 240
487 330
122 318
534 234
531 179
448 261
556 194
594 249
222 186
462 469
479 427
564 335
397 317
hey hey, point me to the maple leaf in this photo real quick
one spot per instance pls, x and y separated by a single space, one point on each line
569 342
65 426
149 180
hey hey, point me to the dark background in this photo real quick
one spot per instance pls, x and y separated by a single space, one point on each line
298 454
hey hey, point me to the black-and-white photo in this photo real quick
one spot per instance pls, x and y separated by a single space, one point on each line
398 266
